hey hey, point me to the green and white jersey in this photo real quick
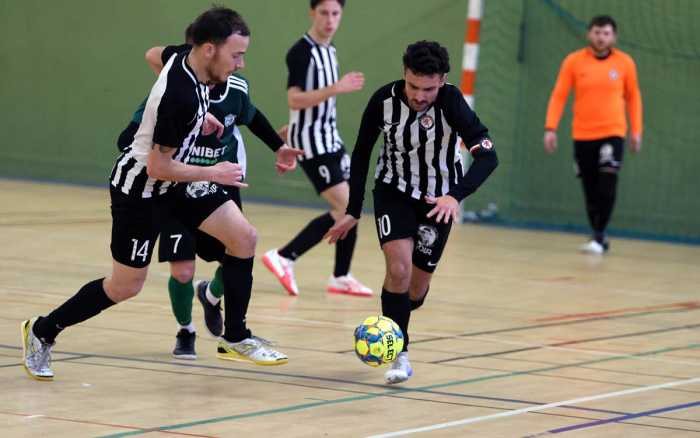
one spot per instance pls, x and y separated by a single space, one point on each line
230 104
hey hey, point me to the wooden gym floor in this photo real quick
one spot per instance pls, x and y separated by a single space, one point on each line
521 336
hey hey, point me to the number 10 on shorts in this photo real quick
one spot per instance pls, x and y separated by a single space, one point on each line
384 225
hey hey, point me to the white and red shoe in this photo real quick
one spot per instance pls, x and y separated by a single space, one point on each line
348 285
283 269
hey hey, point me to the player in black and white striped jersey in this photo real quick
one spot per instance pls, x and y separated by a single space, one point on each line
313 84
418 179
143 193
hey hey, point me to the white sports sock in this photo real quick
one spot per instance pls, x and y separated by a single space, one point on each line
211 298
189 327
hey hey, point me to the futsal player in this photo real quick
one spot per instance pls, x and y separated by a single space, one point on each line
604 80
143 191
230 103
313 85
419 181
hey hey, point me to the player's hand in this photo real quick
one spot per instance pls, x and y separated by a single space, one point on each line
212 125
353 81
341 228
228 174
550 141
287 159
282 132
635 142
446 208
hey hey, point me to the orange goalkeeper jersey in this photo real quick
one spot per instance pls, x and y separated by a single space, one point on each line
602 87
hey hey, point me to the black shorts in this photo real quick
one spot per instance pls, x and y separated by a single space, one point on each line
399 217
135 227
179 242
327 170
593 156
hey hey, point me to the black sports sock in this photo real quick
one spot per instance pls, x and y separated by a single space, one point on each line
238 282
417 303
589 181
343 253
90 300
607 188
397 306
307 238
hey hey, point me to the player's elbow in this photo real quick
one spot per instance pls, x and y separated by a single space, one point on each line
294 103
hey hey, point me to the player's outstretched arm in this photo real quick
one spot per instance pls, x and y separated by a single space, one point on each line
359 166
162 166
298 99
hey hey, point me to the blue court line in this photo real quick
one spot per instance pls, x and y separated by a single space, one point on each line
624 417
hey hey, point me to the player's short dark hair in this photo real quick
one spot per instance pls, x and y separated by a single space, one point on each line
315 3
216 25
188 34
426 58
602 20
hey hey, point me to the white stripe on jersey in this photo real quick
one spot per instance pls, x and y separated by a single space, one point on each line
241 157
442 160
414 159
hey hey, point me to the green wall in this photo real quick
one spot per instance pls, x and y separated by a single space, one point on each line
73 72
657 194
71 83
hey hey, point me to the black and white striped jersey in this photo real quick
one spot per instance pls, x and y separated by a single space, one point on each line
314 130
172 117
420 155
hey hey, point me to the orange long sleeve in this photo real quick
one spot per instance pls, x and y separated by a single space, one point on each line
633 99
560 93
602 89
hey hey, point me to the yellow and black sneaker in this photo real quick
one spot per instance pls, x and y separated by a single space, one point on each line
36 353
253 349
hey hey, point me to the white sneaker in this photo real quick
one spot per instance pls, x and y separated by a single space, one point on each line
36 354
592 247
348 285
400 370
283 269
251 349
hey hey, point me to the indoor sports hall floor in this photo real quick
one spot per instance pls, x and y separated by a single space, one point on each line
521 336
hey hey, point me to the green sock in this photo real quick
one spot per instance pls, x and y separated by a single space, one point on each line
217 283
181 295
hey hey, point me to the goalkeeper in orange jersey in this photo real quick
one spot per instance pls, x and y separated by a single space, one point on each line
604 80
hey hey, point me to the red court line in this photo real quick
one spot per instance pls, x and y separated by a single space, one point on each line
687 305
95 423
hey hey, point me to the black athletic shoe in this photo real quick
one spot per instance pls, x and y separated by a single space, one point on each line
212 313
184 345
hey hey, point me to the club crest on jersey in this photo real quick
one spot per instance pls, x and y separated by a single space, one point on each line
613 74
200 189
427 236
486 144
426 122
229 119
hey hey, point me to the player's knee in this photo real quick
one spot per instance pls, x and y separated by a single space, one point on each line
250 237
183 274
399 272
243 241
124 290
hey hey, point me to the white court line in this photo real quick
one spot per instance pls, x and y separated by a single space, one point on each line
536 408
